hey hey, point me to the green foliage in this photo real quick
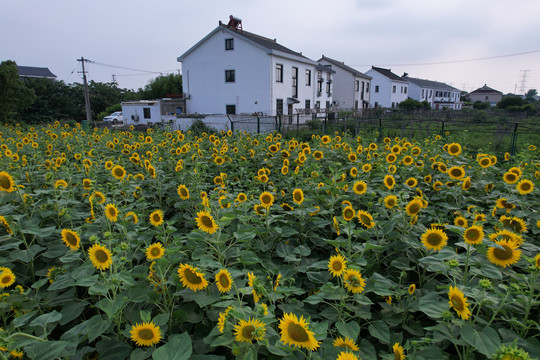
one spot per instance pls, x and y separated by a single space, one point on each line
411 105
162 86
15 97
510 101
481 105
108 111
198 127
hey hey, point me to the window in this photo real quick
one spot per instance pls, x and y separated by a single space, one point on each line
308 104
318 105
279 106
328 104
328 87
294 82
357 85
394 90
362 93
405 90
367 88
231 109
308 77
229 44
487 98
319 86
356 104
376 88
319 74
376 104
430 93
422 93
328 76
402 89
393 104
229 76
279 73
146 113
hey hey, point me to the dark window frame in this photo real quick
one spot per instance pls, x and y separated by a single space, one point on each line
147 113
230 109
229 44
308 77
279 73
230 76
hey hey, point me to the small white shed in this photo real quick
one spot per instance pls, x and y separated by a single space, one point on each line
145 112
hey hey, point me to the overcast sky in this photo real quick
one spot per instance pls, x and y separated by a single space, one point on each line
396 34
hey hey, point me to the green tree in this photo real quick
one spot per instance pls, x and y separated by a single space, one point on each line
55 100
14 95
529 95
102 95
510 101
411 105
162 86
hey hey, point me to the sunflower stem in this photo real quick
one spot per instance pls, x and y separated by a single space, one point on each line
466 275
532 286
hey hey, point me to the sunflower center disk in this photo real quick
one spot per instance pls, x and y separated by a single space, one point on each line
4 182
192 277
457 303
503 254
207 221
434 239
224 281
101 256
6 279
247 331
155 251
473 235
297 333
146 334
337 266
71 239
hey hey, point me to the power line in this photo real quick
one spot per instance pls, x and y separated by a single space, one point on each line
131 69
460 61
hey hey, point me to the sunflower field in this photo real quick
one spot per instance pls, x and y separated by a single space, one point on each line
168 245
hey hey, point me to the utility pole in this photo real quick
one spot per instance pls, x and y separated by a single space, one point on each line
86 94
114 79
523 80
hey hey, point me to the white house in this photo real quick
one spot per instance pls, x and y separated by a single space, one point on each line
388 89
351 87
146 112
486 94
439 95
233 71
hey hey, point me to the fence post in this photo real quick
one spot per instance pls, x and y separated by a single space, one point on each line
258 125
514 136
442 127
380 130
297 123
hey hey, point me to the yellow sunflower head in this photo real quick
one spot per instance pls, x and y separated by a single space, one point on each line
360 187
390 201
247 331
118 172
295 332
155 251
346 343
353 281
337 265
183 192
7 278
348 213
224 281
456 172
7 183
459 302
206 222
111 211
191 278
414 206
365 219
100 256
434 239
525 187
145 334
398 352
71 239
505 254
267 199
454 149
156 217
298 196
473 235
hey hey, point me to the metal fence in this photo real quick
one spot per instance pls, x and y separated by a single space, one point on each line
497 132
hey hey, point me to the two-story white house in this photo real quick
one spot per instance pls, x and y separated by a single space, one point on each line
388 89
439 95
233 71
351 87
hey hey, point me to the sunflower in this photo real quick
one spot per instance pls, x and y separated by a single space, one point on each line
411 182
60 183
131 216
484 162
156 217
71 239
360 187
100 256
525 187
335 224
224 281
353 281
510 178
347 343
111 212
414 207
412 289
505 234
267 199
365 219
183 192
155 251
247 331
454 149
474 235
259 209
87 184
461 221
353 172
434 239
514 223
7 183
437 185
318 155
298 196
537 261
348 213
398 352
98 196
456 172
389 182
458 302
390 201
337 265
295 332
241 197
191 278
391 158
507 255
206 222
145 334
118 172
5 225
7 278
366 168
252 281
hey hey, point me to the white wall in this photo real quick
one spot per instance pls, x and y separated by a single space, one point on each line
385 97
131 112
203 77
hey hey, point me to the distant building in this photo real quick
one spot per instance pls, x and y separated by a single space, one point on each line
35 72
232 71
388 89
485 94
351 87
439 95
146 112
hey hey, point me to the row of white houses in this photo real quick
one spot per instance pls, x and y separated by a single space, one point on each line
233 71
